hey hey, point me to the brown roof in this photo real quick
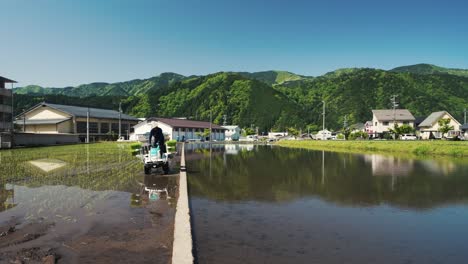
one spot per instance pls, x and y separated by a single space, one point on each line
185 123
388 115
5 80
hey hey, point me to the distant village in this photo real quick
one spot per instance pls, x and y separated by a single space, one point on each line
52 124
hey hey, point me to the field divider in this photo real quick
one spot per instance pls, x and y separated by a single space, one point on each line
182 249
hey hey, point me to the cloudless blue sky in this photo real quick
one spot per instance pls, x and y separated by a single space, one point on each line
65 42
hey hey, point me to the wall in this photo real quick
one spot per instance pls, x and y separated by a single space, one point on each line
44 113
31 139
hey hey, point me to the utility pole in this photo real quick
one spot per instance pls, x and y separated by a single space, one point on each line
345 122
465 117
120 119
87 126
323 116
394 106
225 120
210 124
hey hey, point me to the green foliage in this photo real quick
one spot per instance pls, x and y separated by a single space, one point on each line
358 135
400 130
268 100
171 143
431 69
444 126
293 131
248 131
340 136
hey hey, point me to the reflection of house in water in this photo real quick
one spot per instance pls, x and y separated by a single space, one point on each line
48 165
6 198
389 166
233 149
443 167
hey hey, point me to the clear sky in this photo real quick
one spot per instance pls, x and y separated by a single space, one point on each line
66 42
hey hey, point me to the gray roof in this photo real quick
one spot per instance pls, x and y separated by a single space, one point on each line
78 111
40 121
388 115
464 127
432 119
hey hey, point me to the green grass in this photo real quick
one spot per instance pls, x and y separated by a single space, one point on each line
419 148
100 166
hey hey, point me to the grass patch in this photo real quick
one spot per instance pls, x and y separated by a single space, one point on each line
443 148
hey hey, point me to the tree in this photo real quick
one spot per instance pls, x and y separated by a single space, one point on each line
444 126
400 130
248 131
293 131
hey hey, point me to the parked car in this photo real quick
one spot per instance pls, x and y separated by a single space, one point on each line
408 137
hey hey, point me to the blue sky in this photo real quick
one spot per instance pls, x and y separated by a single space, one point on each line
65 42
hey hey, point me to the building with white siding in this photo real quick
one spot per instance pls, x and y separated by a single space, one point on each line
384 120
177 129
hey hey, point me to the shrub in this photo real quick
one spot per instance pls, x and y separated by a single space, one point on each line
171 143
358 135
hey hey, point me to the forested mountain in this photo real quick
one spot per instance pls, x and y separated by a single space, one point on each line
268 100
430 69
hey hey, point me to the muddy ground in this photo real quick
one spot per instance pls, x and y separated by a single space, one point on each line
141 234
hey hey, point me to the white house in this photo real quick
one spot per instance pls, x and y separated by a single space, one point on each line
431 125
232 133
323 135
275 135
383 120
177 129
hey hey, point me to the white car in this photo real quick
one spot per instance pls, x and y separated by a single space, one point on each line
408 137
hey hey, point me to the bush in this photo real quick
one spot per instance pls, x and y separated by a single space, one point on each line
171 143
340 136
358 135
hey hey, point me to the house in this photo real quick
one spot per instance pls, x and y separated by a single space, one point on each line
66 119
385 119
358 127
323 135
369 128
178 129
232 133
6 112
276 135
431 125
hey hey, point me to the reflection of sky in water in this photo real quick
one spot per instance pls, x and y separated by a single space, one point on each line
61 203
47 165
279 205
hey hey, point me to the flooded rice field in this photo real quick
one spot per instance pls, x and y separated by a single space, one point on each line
84 204
262 204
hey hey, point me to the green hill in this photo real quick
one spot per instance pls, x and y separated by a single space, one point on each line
274 77
128 88
430 69
267 100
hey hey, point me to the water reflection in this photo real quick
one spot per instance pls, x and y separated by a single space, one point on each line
7 197
155 188
47 165
281 174
279 205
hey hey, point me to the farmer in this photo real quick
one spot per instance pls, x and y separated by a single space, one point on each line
157 133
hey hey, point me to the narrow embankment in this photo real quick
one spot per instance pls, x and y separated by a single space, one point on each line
422 148
182 248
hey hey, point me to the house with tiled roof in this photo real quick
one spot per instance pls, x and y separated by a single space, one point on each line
430 125
49 118
178 129
384 120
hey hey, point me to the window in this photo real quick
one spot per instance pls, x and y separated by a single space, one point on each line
104 128
385 123
115 128
123 128
375 123
93 127
81 127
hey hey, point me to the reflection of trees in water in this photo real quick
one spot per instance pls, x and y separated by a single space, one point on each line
281 174
6 198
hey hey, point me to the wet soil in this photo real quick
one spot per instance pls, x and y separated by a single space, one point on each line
142 233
